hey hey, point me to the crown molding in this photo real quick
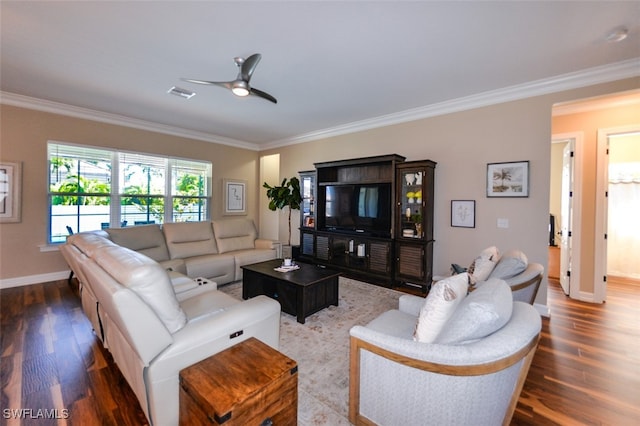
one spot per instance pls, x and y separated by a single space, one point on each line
43 105
591 76
620 100
602 74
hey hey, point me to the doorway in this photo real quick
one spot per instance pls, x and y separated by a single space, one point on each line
596 119
617 203
565 193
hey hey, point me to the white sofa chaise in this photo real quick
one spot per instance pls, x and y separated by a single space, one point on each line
153 328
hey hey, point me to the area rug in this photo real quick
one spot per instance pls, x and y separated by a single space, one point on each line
321 348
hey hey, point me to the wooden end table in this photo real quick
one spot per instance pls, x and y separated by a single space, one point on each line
249 383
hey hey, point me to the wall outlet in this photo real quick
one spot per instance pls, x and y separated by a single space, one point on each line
503 222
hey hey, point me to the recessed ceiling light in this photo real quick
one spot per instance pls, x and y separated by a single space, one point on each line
183 93
617 34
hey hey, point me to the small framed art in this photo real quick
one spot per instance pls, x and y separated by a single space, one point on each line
235 194
10 191
508 179
463 213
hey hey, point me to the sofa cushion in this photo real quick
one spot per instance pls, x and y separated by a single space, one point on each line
234 234
145 239
512 263
481 313
394 323
219 268
208 303
147 279
439 305
187 239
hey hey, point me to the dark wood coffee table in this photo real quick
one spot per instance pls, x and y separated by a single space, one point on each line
301 292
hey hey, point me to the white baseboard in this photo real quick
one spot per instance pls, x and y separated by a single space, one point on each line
584 296
33 279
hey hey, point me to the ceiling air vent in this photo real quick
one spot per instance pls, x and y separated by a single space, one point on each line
183 93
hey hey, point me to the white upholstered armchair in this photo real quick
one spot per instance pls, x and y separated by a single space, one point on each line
395 380
525 285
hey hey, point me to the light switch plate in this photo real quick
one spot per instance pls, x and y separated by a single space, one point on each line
503 222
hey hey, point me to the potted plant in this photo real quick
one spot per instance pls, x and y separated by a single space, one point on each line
285 195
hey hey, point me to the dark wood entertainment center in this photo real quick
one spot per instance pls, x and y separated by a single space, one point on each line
374 192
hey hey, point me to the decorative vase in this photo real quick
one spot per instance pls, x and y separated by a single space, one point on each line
410 179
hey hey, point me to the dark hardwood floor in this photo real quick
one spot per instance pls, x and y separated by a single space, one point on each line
585 371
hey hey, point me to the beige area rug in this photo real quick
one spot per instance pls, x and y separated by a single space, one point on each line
321 348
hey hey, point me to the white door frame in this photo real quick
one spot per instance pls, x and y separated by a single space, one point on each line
577 140
602 208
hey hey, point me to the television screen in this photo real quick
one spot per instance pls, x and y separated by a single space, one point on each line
364 208
368 202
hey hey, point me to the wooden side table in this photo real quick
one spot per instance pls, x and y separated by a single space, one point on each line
247 384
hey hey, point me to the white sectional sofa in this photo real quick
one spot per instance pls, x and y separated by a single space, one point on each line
215 250
154 319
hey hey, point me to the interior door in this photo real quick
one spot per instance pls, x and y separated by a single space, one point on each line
566 210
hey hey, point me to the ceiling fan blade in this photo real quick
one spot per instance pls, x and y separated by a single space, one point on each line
263 95
226 84
249 65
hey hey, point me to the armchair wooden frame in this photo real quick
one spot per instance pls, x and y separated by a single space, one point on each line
535 281
357 345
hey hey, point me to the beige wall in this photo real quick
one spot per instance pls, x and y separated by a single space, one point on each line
23 137
461 143
589 123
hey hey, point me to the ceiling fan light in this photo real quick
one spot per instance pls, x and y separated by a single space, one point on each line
240 88
617 34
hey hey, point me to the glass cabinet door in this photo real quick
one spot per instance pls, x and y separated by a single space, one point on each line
411 204
307 207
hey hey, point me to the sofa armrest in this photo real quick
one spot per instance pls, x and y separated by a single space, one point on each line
410 304
201 338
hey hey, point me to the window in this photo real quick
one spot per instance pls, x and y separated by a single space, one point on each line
92 188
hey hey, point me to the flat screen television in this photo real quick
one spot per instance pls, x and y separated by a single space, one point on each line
359 208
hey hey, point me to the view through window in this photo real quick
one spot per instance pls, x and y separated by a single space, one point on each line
92 188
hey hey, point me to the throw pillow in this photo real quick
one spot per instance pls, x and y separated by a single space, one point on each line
480 314
442 300
483 265
491 252
512 263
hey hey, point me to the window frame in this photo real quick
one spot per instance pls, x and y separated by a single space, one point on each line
203 170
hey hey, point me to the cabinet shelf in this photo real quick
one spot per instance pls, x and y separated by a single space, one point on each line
414 249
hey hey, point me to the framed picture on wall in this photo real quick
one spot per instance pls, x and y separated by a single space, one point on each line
508 179
463 213
235 196
10 190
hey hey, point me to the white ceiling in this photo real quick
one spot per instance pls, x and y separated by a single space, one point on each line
334 67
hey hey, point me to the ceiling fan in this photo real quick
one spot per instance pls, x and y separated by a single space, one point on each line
240 86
